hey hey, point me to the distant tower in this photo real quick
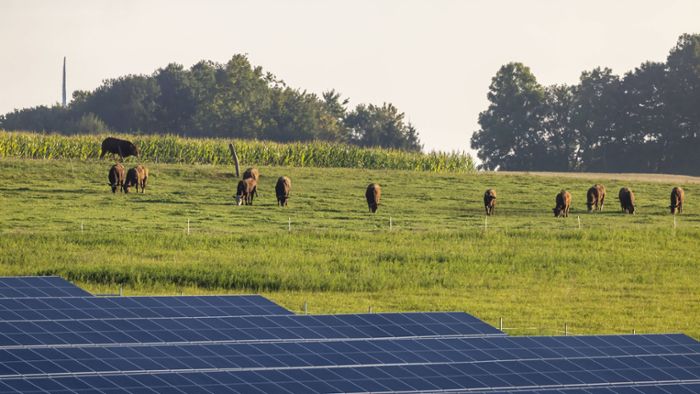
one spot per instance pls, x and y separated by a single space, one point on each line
64 81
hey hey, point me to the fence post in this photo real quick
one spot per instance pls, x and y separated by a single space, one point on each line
289 224
121 290
579 222
566 329
306 307
188 226
235 159
390 223
500 323
369 310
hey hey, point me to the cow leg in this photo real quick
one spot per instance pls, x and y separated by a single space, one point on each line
103 153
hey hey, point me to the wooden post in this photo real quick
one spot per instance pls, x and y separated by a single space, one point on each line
121 290
235 160
369 310
306 308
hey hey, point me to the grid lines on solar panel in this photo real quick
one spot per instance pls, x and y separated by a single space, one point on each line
241 328
641 388
212 356
503 376
38 286
19 309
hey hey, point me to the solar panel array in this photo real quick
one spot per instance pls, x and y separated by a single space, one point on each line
38 286
248 344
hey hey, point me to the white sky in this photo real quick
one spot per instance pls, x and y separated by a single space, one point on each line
433 59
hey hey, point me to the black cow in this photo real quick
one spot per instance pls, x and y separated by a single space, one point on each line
115 146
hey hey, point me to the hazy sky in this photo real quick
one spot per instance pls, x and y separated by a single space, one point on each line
433 59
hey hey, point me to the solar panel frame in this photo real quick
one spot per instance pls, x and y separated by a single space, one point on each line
83 308
38 286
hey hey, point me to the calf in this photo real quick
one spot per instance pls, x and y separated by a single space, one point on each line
626 200
282 188
245 191
490 201
373 194
116 177
677 197
138 177
563 203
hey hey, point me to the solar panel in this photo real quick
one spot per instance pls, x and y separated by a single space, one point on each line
39 286
663 388
241 328
16 309
89 359
571 373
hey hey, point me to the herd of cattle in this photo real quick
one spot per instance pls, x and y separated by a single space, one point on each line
595 199
247 187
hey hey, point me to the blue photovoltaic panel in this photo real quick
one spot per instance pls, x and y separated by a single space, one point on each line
39 286
15 309
666 388
242 328
90 359
573 373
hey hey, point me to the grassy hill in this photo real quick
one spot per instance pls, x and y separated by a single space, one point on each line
616 274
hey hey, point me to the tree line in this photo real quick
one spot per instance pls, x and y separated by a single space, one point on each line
645 121
209 99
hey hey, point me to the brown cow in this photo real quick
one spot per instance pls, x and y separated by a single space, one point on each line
373 195
626 200
245 191
251 172
116 177
138 177
490 201
282 188
595 197
115 146
563 203
677 197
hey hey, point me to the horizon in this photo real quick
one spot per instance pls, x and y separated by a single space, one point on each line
441 94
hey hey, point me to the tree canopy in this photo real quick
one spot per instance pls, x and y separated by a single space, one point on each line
645 121
235 99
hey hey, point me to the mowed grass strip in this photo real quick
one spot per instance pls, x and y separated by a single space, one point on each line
617 273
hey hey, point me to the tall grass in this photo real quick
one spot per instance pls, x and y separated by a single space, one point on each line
173 149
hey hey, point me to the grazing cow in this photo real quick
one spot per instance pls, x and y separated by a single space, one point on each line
116 177
137 176
282 188
115 146
373 195
490 201
251 172
563 203
677 197
245 191
626 200
595 197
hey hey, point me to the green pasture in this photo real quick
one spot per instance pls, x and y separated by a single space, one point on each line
615 274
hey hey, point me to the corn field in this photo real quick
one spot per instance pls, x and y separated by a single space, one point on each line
173 149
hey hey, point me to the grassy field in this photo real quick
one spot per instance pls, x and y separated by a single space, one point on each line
616 274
